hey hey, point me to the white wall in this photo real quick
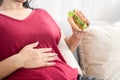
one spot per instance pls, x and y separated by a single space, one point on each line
107 10
52 6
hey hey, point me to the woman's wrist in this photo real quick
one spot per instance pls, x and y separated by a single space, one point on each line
77 36
73 41
16 61
9 65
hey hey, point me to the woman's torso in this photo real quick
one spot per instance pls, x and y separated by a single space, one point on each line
38 26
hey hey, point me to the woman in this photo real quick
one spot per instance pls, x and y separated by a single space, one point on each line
28 44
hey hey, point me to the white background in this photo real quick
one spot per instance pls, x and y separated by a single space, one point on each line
107 10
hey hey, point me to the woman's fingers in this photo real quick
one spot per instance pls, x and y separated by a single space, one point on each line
32 57
51 54
33 45
80 15
48 64
73 25
43 50
50 57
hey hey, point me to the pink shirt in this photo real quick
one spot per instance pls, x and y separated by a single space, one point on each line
38 26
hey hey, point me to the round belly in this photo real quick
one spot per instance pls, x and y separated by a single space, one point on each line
60 71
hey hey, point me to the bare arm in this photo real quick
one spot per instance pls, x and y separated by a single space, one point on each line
9 65
73 41
77 35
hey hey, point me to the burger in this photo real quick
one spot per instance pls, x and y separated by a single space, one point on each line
79 21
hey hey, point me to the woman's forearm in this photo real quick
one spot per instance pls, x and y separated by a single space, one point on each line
73 41
9 65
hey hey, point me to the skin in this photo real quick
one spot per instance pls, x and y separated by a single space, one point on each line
28 57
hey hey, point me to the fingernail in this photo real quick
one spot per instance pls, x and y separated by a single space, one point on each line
37 42
53 63
56 58
50 49
56 54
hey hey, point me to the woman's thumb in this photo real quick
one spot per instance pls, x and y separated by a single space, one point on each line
34 44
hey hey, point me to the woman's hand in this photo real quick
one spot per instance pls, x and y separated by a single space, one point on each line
30 57
76 30
78 33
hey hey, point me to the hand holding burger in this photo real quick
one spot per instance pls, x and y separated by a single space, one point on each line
79 19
